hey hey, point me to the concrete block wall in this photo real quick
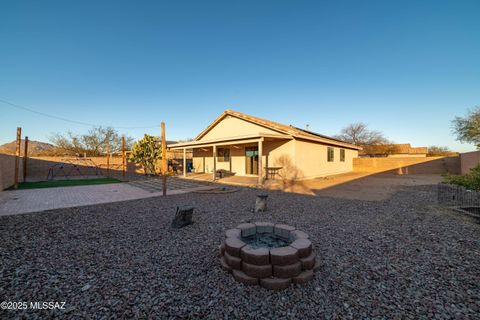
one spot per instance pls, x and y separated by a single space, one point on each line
420 165
7 171
38 167
469 160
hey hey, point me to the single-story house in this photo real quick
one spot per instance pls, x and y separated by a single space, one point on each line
245 145
395 150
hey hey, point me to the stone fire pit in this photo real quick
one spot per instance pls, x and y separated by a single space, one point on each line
271 255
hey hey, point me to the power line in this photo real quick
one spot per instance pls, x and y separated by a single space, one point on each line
68 120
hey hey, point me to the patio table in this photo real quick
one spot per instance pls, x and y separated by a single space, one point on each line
272 172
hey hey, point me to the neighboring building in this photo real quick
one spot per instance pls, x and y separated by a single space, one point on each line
234 141
393 151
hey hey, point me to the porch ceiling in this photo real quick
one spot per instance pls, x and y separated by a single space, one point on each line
228 141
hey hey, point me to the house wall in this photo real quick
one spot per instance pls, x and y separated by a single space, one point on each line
469 160
278 153
274 154
299 159
234 127
237 155
202 160
312 161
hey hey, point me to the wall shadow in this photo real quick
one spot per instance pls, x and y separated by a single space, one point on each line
394 173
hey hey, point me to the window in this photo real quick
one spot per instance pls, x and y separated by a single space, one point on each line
330 154
342 155
223 154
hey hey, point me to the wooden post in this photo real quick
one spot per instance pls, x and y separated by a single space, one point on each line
260 162
123 156
108 160
164 160
214 162
184 162
25 157
17 157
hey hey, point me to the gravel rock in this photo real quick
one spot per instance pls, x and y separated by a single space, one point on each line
401 258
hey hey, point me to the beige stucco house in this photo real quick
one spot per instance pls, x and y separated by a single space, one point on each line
249 146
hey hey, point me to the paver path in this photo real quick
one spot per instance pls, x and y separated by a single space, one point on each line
33 200
174 183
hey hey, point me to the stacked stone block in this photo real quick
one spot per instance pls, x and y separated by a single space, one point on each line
271 268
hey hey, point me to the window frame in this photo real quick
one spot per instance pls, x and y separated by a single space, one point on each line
223 156
330 154
342 155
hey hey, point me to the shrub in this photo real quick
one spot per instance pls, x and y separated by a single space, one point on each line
147 152
471 180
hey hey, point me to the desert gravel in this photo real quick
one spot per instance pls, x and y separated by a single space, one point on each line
402 258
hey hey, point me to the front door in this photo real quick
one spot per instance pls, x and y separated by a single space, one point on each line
251 158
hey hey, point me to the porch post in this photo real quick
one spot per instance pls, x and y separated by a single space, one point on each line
214 162
260 162
184 162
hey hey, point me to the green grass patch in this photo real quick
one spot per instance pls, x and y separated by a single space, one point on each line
65 183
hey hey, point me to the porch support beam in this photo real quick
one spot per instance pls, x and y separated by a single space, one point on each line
214 162
184 162
260 161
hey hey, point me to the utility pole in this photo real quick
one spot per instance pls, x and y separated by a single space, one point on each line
123 156
108 159
17 157
164 160
25 157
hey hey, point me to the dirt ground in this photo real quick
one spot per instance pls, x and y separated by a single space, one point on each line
359 186
352 185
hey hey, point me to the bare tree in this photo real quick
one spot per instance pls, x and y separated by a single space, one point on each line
438 151
467 129
359 134
94 143
380 149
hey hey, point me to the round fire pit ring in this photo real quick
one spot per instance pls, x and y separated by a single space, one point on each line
267 254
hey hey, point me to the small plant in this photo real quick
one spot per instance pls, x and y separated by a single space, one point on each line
470 181
147 152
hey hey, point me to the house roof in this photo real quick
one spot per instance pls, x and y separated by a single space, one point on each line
279 127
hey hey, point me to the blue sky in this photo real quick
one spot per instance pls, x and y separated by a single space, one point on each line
406 68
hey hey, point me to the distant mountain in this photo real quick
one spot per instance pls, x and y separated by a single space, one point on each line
34 147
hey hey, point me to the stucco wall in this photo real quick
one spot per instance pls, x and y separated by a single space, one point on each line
428 165
38 167
273 151
202 160
399 155
312 160
299 159
468 160
7 171
234 127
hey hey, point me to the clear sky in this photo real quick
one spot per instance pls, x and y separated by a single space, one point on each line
406 68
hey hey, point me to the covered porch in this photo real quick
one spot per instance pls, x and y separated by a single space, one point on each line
239 157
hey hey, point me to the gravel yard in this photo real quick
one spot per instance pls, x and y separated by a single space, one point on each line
397 258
